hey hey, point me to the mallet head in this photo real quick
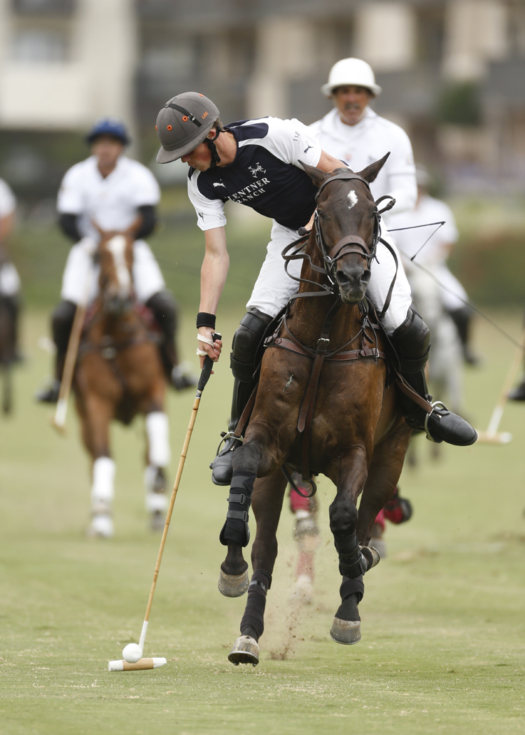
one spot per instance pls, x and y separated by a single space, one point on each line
140 665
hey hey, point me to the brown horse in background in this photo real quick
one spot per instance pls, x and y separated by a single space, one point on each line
324 375
119 374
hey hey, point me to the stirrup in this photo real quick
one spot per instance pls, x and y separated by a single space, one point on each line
225 436
435 404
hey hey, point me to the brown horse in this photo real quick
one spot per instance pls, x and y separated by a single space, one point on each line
119 374
323 381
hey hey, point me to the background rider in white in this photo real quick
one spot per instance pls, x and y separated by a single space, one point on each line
258 163
9 279
352 132
111 190
433 256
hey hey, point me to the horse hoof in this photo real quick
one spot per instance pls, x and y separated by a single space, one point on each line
233 585
101 526
371 555
346 632
303 592
379 545
245 651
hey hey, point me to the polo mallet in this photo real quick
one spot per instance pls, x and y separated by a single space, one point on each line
58 421
492 436
135 651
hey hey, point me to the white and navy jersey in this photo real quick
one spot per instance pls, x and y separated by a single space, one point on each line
7 200
266 174
367 141
111 202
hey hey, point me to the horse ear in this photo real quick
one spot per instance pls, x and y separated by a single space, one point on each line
370 172
315 174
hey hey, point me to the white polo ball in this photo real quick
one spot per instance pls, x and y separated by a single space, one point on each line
131 653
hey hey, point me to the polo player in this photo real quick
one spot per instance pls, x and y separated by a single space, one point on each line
109 190
259 163
9 278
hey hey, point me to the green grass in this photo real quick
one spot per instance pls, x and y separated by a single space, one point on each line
443 645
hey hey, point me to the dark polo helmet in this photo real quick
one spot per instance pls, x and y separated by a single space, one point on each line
183 123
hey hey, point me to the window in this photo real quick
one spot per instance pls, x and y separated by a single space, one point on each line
39 45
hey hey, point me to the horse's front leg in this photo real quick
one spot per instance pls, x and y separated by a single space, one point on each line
96 416
353 561
267 504
257 453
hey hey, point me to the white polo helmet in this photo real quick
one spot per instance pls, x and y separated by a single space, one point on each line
351 71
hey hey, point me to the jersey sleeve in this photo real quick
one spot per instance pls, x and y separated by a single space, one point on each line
146 190
7 200
292 142
210 212
449 231
401 172
70 195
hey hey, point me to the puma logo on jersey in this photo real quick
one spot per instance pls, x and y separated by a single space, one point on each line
219 185
307 149
257 169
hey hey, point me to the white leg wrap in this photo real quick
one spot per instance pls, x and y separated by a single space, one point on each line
157 429
102 489
154 501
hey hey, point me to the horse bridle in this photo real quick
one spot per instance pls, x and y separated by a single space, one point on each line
345 246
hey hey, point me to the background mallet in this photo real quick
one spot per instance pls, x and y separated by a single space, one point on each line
59 419
492 436
153 663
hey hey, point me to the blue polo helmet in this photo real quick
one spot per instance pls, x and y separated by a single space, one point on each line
109 126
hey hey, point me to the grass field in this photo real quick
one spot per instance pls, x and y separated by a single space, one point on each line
443 646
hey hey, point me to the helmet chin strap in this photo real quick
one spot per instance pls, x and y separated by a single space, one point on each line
210 142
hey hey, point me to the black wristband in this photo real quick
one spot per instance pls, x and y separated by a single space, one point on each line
205 320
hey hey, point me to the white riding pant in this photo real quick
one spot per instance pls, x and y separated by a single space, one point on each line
9 280
274 287
80 279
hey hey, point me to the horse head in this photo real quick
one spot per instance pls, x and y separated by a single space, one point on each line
115 254
347 226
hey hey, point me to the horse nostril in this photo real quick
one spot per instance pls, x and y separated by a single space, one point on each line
342 278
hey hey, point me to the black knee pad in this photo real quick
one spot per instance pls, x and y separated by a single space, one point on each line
412 343
61 324
165 311
246 341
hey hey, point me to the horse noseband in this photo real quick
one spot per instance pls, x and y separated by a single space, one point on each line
344 247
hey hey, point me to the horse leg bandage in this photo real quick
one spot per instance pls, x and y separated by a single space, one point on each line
157 429
352 563
156 500
103 476
352 587
252 622
236 528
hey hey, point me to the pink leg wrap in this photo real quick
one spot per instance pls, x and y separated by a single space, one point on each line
380 519
297 502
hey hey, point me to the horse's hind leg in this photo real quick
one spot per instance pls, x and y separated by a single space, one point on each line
267 504
383 476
